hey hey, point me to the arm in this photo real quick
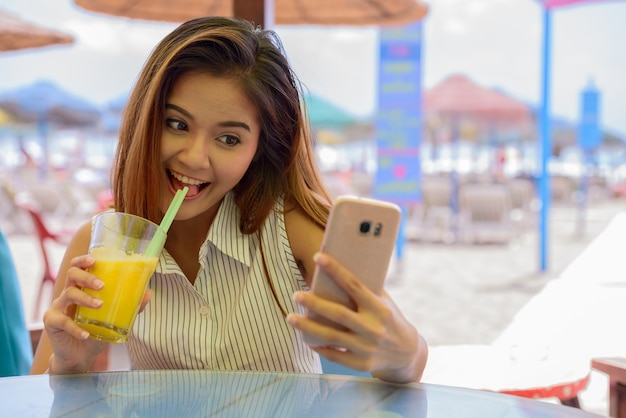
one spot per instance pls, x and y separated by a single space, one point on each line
305 238
64 346
378 339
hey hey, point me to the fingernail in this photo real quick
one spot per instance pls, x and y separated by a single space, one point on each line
98 284
297 297
90 259
291 319
319 259
84 335
97 303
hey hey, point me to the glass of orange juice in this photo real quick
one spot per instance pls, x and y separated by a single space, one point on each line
118 243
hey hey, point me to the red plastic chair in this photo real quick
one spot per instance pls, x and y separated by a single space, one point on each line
43 236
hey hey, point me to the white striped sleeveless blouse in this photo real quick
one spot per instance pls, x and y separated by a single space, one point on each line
227 320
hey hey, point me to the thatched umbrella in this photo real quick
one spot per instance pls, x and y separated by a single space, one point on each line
17 34
286 12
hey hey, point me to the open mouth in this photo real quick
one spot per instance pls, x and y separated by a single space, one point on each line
178 181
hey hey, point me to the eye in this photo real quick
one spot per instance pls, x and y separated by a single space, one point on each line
229 140
175 124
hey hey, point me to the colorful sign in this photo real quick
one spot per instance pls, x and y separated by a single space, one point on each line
399 121
589 135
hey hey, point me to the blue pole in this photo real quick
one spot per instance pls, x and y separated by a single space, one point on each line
401 240
546 143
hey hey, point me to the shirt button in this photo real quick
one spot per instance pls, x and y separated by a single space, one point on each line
204 311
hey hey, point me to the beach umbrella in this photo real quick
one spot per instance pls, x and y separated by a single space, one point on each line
459 96
17 34
458 99
463 105
44 99
285 12
333 125
44 103
112 114
471 110
323 114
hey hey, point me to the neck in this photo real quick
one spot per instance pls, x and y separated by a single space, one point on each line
198 226
185 238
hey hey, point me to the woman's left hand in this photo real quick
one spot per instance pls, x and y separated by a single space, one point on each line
376 336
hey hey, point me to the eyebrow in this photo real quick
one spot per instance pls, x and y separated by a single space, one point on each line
227 124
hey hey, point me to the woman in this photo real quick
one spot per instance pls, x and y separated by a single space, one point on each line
217 108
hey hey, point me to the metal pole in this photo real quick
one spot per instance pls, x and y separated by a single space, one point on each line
251 11
269 9
546 143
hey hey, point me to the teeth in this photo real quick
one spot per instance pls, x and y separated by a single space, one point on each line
186 180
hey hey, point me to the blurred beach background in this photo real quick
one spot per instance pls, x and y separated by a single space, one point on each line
481 249
60 109
495 43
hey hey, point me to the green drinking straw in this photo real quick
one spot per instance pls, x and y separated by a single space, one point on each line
157 241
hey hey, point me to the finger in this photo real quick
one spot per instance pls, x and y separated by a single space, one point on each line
83 261
56 322
76 296
357 330
333 311
77 277
323 334
72 297
346 280
326 321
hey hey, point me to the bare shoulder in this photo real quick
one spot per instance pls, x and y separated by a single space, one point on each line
305 238
79 244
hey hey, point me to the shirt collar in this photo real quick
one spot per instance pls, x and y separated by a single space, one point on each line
225 234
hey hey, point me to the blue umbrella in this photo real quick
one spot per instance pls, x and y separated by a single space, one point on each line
45 104
45 100
112 113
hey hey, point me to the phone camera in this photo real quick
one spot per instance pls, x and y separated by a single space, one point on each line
365 226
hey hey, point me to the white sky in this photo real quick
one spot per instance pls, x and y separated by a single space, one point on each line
495 42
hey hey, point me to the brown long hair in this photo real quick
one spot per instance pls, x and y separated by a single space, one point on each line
284 164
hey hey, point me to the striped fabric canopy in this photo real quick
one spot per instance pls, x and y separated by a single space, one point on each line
551 4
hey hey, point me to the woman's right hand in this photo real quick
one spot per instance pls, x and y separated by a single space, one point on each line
72 349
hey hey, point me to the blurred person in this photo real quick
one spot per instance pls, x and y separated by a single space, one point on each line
16 352
218 109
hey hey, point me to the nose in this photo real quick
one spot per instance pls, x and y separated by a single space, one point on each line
195 153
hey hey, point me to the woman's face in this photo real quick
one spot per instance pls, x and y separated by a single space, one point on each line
210 137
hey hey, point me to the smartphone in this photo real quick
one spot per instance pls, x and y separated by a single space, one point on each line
360 234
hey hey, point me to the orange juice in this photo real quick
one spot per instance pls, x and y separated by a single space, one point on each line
125 279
